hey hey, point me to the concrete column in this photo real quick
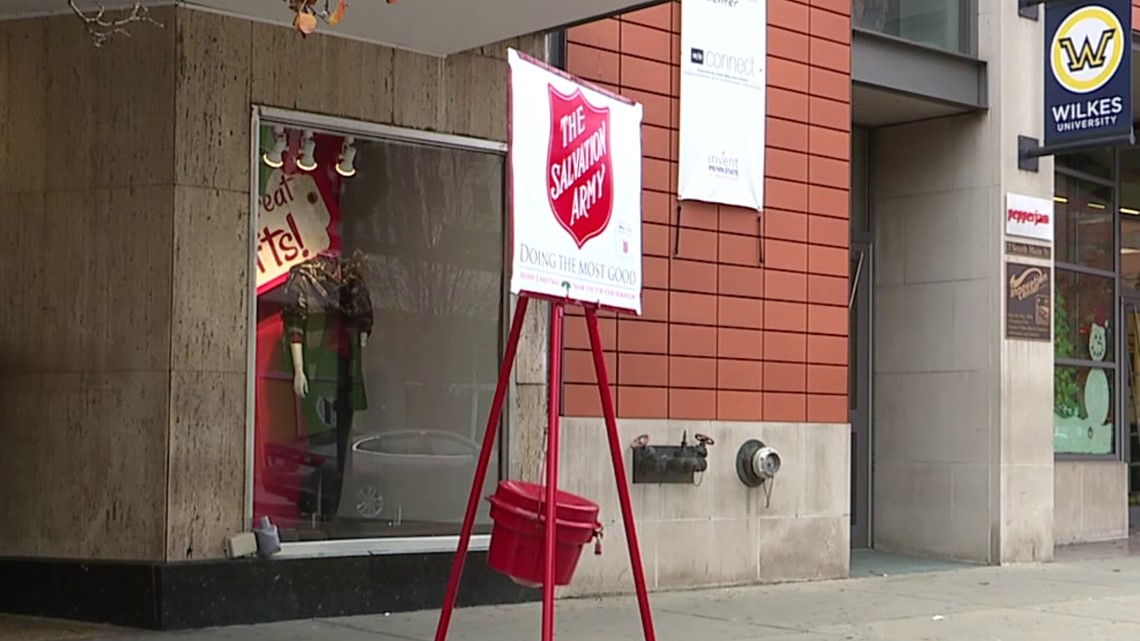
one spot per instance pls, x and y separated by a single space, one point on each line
962 417
1024 467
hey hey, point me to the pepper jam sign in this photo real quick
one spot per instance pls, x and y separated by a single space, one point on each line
1088 70
575 170
1029 217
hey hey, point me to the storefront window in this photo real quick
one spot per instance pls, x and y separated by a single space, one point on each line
1085 302
379 318
1084 418
1130 220
1082 395
1084 227
1080 302
1129 251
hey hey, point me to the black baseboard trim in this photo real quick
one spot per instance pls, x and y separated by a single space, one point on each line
180 596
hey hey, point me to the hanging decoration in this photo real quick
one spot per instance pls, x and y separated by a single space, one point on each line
102 28
309 12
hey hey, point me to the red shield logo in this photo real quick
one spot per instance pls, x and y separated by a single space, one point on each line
579 176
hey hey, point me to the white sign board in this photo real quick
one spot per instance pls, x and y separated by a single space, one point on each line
1029 217
575 169
292 226
723 108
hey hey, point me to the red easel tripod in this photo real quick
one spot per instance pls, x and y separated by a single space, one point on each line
554 377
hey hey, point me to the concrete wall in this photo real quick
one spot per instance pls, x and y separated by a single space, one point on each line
1026 445
720 531
963 417
1091 502
86 191
935 417
726 345
124 197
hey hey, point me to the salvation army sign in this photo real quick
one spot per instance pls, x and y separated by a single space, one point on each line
575 172
580 184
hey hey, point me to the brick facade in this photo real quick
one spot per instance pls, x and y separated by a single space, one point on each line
722 336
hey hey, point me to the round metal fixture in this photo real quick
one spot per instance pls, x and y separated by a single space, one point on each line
756 463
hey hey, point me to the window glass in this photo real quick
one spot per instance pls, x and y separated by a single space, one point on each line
1084 419
860 180
1083 311
1084 223
939 23
1130 219
1094 162
1130 250
379 298
1083 410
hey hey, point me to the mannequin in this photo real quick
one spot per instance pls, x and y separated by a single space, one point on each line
300 381
328 319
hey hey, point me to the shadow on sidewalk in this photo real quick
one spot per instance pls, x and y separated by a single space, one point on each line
871 563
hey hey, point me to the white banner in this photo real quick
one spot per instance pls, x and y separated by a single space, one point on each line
1029 217
293 226
724 45
575 168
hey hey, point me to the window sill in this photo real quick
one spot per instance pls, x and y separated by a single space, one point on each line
373 547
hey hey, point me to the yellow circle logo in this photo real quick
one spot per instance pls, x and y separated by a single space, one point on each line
1087 49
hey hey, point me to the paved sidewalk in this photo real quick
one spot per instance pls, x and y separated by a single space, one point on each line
1070 599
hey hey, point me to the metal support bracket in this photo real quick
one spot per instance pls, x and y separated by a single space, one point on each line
1028 9
1030 149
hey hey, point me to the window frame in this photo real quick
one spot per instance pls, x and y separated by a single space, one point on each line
1118 385
968 28
260 115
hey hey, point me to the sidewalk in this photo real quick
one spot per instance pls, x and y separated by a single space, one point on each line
1076 597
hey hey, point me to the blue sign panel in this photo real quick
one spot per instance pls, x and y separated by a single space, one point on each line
1088 70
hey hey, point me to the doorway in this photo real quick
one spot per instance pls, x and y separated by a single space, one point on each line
1128 288
859 306
1130 319
859 392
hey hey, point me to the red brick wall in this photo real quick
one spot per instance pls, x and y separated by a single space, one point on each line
722 337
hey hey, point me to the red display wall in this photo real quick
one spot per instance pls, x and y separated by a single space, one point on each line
280 459
722 336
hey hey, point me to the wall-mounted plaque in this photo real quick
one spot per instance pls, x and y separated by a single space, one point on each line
1029 302
1014 248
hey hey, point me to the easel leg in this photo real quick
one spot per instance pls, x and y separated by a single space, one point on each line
619 473
554 393
481 468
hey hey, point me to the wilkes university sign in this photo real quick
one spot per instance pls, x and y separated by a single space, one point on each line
1088 70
